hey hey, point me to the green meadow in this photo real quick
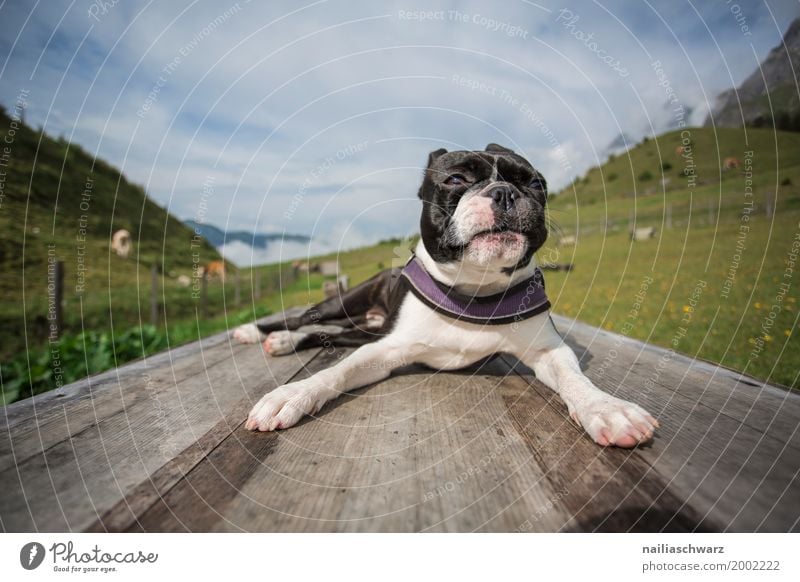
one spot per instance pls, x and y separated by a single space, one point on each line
719 280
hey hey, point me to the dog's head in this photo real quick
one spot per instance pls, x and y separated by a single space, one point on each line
483 207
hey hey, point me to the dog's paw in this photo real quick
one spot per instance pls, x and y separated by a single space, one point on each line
611 421
375 319
248 334
280 343
285 406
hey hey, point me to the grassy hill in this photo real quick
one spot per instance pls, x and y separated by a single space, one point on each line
56 194
719 264
59 201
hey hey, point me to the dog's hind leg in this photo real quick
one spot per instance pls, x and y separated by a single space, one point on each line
348 309
279 343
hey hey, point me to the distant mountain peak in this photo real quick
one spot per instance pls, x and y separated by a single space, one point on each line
620 144
218 237
770 91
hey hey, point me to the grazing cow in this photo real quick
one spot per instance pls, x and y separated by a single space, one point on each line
300 266
643 233
215 269
121 243
329 268
568 241
731 164
184 281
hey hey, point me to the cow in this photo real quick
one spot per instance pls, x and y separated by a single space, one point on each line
643 233
731 164
121 243
215 269
568 241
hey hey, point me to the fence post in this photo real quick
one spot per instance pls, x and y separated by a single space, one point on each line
237 296
204 295
154 294
770 206
58 298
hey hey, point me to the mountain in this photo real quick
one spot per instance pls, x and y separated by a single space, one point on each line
218 237
657 166
769 93
620 143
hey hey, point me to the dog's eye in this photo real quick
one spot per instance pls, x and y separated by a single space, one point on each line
537 184
456 180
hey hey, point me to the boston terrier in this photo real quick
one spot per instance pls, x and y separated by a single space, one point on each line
471 289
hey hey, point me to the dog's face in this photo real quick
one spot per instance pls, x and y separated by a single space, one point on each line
483 207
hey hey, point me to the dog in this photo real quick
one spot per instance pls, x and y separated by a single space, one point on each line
471 289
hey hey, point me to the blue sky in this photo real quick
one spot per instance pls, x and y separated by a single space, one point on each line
316 118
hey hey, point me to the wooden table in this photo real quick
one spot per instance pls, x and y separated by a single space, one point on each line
159 445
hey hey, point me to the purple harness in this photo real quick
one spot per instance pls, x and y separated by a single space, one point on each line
523 300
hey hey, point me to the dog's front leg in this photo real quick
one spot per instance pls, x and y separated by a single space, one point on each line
286 405
607 419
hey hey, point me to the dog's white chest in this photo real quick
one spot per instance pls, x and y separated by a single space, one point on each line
446 343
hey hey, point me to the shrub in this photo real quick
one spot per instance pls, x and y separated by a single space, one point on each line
645 176
666 166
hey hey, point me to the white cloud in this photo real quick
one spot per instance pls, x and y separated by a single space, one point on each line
263 100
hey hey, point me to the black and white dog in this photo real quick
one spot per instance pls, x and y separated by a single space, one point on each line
471 290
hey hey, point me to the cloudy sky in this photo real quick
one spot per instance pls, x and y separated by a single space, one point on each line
316 118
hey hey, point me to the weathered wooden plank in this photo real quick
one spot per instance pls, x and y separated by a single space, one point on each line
125 513
759 405
132 389
603 489
702 452
472 451
417 452
66 486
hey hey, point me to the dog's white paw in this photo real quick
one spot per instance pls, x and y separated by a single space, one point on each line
280 343
248 334
375 319
611 421
286 405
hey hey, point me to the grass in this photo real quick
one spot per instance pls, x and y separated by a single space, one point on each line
692 305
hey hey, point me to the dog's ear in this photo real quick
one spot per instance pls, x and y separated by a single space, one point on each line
498 149
433 155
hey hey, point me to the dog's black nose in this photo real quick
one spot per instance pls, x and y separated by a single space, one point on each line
504 196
